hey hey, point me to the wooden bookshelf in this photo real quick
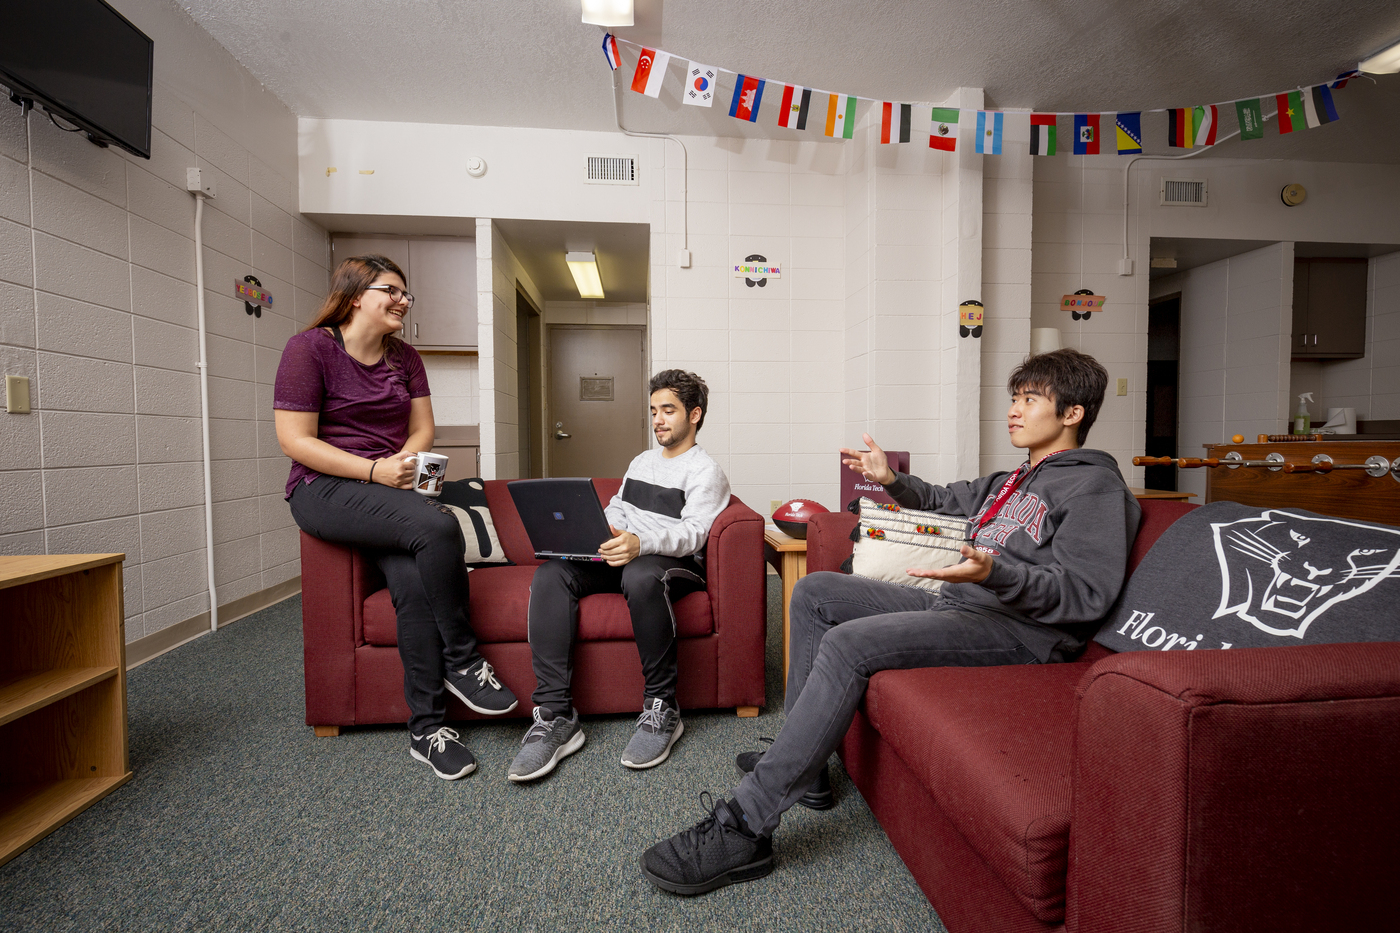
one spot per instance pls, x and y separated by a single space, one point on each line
63 742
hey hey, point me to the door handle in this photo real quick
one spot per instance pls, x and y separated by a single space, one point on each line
559 434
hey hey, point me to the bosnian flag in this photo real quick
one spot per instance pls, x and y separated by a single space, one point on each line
610 51
894 122
651 71
1128 127
1042 134
797 102
989 129
700 85
1086 134
748 95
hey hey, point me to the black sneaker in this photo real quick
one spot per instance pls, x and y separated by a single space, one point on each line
717 851
442 752
819 797
478 687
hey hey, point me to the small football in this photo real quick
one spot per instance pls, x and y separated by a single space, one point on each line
792 516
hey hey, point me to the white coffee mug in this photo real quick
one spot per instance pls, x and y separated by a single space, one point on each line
432 470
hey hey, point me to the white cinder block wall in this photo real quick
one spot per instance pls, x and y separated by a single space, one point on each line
97 308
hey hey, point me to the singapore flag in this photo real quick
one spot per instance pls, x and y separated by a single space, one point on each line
700 85
651 71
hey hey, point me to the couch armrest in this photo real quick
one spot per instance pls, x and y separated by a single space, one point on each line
1248 789
829 540
331 598
735 578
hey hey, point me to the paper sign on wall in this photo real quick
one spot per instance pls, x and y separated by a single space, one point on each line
252 294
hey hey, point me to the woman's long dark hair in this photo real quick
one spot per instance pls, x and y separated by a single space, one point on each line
349 282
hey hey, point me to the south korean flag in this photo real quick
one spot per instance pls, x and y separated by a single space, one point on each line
700 85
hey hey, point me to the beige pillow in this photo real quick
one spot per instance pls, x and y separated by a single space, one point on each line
893 539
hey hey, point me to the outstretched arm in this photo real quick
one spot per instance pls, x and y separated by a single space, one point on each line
872 463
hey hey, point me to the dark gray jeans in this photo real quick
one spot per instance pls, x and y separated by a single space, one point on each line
843 630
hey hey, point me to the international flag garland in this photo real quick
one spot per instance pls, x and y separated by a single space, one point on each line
1042 134
797 103
943 134
1188 127
748 95
1128 130
989 131
894 122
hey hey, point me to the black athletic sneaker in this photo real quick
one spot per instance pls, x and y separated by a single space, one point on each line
717 851
819 797
478 687
442 752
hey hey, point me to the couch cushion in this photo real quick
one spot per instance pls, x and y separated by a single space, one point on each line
500 598
993 746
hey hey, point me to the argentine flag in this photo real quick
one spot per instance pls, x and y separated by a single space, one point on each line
989 132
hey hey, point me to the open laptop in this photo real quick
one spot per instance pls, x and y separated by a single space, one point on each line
562 517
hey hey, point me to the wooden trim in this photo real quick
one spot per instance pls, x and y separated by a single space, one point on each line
16 571
141 650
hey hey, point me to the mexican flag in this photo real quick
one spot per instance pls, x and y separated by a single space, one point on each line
944 132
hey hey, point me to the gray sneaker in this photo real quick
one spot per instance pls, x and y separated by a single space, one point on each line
657 730
548 739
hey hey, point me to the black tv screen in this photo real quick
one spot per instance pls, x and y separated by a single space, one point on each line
83 62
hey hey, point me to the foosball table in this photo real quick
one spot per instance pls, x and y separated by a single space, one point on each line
1353 478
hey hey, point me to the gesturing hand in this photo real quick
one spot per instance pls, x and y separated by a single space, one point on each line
872 463
621 548
973 569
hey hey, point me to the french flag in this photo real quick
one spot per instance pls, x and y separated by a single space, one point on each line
610 51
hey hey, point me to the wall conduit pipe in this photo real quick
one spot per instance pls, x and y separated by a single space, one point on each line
203 365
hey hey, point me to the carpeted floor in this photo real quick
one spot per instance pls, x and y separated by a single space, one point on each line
238 819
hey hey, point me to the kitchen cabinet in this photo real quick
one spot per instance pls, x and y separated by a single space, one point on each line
1329 309
441 275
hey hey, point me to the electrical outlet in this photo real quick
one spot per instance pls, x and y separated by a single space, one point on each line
17 395
773 505
1122 387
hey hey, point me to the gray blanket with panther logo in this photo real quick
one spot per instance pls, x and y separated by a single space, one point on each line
1235 576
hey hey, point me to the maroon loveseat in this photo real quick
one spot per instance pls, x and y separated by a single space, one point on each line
354 675
1241 790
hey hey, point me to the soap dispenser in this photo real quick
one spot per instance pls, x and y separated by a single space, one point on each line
1302 421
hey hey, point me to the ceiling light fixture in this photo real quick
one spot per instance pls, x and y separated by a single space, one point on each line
607 12
1384 62
584 267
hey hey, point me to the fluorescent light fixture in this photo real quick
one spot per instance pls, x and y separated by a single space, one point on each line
584 267
1384 62
607 12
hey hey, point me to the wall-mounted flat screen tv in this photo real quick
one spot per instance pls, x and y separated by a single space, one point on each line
83 62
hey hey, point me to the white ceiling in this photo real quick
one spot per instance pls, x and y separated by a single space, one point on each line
519 63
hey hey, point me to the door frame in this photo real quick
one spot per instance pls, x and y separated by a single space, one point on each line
547 349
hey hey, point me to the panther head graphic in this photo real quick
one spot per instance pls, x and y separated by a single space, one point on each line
1280 571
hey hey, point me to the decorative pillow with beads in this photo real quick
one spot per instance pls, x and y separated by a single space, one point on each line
891 539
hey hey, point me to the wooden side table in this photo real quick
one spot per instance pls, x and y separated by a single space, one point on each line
63 741
788 556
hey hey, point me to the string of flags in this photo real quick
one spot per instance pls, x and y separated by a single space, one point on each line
1103 133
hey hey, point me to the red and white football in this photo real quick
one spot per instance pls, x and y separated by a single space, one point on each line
792 516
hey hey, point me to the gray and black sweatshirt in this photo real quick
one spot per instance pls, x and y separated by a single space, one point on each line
1059 545
670 504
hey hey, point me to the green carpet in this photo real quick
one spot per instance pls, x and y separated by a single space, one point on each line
238 819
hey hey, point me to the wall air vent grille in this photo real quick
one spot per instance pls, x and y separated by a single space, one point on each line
1184 192
611 170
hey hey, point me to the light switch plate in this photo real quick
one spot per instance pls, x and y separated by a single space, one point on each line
1122 387
17 395
773 505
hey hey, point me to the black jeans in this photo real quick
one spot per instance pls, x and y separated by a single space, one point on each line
651 584
419 547
844 629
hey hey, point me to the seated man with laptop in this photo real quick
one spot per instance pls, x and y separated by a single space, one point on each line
658 524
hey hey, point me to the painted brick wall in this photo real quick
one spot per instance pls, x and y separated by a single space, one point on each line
97 307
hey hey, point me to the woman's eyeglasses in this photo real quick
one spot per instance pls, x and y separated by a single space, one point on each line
395 293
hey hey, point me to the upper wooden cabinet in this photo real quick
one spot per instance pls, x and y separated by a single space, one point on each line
442 277
1329 309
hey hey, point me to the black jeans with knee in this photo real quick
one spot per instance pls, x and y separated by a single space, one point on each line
419 547
651 583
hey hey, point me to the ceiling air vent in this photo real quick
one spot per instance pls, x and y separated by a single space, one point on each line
1184 192
611 170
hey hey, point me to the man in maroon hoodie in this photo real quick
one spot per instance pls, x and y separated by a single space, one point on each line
1047 558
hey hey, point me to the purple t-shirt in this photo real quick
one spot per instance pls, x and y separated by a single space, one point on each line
364 409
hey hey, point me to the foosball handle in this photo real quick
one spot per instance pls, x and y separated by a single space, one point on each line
1192 462
1323 467
1153 461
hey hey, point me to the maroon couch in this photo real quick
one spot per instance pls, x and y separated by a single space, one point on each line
354 675
1241 790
